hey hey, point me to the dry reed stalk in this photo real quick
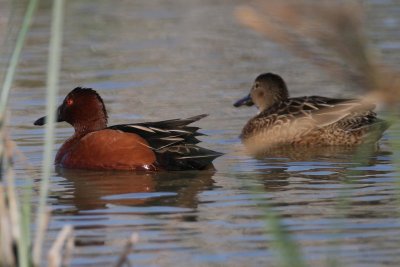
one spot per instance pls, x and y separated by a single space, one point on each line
123 258
63 245
329 34
13 231
12 199
6 239
69 248
40 233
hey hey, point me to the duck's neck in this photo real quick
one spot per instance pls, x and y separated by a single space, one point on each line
82 128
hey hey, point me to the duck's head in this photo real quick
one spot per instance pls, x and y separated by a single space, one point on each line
83 108
267 90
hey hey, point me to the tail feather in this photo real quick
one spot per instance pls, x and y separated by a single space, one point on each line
186 157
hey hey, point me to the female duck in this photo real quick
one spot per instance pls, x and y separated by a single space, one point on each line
308 120
163 145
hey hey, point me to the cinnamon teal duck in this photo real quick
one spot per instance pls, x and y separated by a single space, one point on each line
152 146
307 120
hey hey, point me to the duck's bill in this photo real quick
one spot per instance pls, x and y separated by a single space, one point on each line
43 120
245 101
40 122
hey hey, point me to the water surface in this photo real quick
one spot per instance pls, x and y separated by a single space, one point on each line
155 60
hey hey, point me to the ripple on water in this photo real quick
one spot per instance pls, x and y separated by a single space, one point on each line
154 60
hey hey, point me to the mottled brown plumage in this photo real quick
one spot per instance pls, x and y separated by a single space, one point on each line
308 120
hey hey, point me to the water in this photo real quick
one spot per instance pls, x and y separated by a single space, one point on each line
155 60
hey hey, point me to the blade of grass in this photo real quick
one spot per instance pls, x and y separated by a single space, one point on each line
288 249
395 144
53 71
19 232
15 58
55 257
123 258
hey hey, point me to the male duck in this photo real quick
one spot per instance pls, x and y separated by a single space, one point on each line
307 120
153 146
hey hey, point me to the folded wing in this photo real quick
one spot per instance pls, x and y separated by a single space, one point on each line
174 142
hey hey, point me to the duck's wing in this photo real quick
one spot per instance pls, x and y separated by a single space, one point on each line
174 142
166 133
303 114
324 111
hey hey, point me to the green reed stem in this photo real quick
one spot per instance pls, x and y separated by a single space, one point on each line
395 145
288 249
344 198
15 57
283 242
394 142
21 230
53 71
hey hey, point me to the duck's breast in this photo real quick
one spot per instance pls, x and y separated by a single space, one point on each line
110 150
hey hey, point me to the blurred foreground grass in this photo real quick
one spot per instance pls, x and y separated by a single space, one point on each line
331 35
16 246
328 34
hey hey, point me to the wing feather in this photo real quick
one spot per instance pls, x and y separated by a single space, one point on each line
174 142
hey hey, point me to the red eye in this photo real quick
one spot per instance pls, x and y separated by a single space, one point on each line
70 102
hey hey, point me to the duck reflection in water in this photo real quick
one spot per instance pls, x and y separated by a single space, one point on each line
276 167
96 190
